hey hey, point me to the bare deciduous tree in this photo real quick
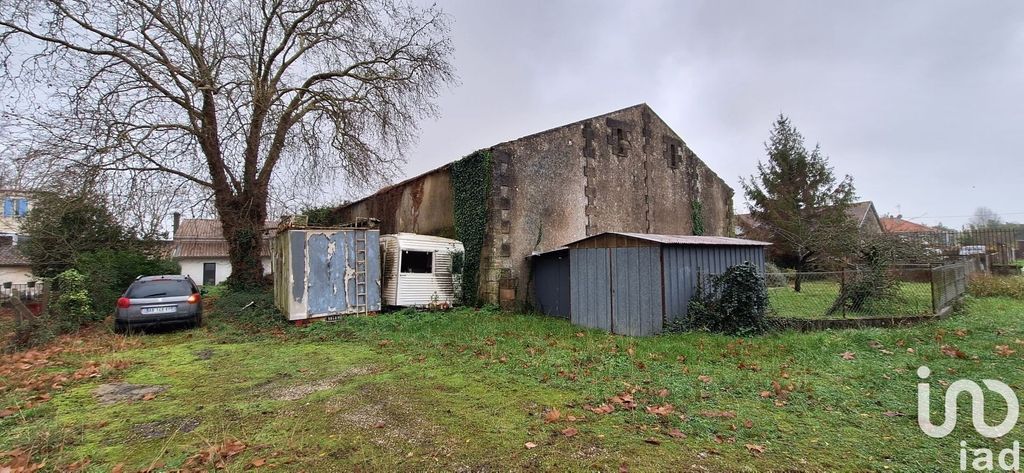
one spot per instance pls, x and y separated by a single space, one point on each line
223 94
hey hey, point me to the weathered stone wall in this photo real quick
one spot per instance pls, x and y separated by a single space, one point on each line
422 204
624 171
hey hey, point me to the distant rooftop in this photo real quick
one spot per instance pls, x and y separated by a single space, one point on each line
899 225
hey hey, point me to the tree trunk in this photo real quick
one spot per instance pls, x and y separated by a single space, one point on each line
798 277
243 218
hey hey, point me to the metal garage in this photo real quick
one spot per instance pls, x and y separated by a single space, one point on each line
550 272
634 283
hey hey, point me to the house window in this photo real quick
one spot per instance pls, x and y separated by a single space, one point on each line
15 207
417 262
209 274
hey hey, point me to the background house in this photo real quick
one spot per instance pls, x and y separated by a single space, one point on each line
14 266
201 250
862 213
622 171
16 204
898 225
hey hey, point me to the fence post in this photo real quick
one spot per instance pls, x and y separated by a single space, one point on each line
44 299
842 287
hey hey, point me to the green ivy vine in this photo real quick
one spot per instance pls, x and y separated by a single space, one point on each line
697 216
471 186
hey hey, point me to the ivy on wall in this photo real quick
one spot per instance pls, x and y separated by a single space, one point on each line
697 215
471 186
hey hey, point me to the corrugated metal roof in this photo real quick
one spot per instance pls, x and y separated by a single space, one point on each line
207 249
553 250
683 239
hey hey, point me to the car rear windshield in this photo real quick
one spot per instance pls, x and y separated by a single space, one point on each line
158 288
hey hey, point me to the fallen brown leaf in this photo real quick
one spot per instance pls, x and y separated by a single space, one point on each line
704 378
569 432
849 355
602 409
1004 350
676 433
953 352
755 449
529 445
552 415
662 410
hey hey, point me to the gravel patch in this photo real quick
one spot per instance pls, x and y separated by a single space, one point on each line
119 392
294 393
163 428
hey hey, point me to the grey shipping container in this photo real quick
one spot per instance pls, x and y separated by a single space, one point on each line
326 272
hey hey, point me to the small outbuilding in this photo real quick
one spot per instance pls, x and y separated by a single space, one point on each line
326 272
634 283
421 270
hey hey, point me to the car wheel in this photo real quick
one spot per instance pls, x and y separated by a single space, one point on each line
120 327
197 322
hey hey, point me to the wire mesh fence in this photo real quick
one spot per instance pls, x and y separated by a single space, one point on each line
903 291
948 283
999 246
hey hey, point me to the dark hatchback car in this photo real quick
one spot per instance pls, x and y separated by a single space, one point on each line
159 300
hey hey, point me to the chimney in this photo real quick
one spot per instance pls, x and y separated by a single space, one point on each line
177 221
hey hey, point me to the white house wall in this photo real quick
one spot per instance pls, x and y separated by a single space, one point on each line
194 268
16 274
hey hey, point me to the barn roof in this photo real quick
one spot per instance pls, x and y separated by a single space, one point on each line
680 239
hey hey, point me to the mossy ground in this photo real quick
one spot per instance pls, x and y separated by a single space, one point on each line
466 390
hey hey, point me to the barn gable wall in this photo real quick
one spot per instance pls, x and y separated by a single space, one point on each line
622 171
615 172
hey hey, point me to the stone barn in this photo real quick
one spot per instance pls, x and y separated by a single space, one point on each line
624 171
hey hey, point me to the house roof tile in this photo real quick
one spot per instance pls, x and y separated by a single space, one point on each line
898 225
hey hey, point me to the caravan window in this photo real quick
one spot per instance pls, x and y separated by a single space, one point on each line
417 261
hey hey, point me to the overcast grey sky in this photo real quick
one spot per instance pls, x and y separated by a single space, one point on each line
922 102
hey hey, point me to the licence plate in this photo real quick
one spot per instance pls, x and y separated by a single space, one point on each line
333 318
160 310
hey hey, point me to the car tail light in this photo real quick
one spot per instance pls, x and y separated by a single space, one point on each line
194 299
124 303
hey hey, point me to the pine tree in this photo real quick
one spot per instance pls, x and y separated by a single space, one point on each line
796 202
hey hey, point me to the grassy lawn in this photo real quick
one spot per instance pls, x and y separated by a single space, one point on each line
816 297
467 390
